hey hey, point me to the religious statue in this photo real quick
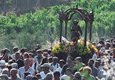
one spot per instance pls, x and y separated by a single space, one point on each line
76 31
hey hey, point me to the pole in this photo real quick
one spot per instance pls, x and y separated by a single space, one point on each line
91 23
61 25
90 31
66 29
85 37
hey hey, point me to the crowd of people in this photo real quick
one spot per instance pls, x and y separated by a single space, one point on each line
40 64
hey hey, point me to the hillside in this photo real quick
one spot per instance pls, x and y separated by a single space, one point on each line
42 26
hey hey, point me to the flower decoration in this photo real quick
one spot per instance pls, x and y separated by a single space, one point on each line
58 48
78 48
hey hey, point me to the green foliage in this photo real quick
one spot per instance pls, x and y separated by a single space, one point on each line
41 26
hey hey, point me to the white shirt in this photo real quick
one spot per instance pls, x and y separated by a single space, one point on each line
43 75
59 69
21 71
94 57
54 67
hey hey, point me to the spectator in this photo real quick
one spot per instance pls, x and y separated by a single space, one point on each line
14 74
56 75
46 70
94 69
18 60
78 64
55 64
45 54
87 73
69 64
2 65
49 76
4 77
61 63
44 60
67 75
14 65
26 68
5 55
15 49
5 71
77 76
17 56
38 61
29 77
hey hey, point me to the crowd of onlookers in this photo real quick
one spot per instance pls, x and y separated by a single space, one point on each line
40 64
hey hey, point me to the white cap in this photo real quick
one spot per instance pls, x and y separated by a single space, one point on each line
14 65
65 77
2 63
46 65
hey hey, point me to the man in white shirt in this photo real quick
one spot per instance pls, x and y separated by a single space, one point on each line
94 57
14 75
26 69
46 70
61 62
55 64
2 65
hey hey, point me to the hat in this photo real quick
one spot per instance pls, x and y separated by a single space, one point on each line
46 65
14 65
2 63
65 77
99 45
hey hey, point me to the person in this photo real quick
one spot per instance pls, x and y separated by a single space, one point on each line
14 74
100 73
18 60
94 57
38 76
26 55
56 75
26 69
2 65
5 71
38 60
67 75
69 64
17 56
77 76
32 59
45 54
15 49
49 76
44 60
55 64
29 77
78 64
61 63
86 73
46 70
50 60
14 65
5 56
22 51
4 77
94 69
